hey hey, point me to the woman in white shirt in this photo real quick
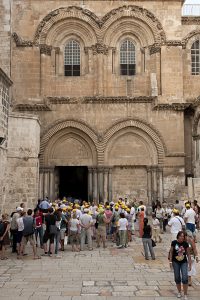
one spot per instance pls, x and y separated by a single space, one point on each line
20 228
176 223
74 232
122 229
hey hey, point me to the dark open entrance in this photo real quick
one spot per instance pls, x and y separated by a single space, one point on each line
73 182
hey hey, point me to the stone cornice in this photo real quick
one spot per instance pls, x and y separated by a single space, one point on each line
32 107
173 106
21 42
100 100
174 43
108 100
5 77
155 48
190 20
44 49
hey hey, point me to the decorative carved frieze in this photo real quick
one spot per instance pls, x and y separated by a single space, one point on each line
20 42
173 106
62 100
32 107
192 20
174 43
45 49
108 100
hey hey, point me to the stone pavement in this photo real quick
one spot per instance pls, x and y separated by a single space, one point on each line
118 274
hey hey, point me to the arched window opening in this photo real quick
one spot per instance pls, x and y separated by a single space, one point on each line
127 58
72 59
195 57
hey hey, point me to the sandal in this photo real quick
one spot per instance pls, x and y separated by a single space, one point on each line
37 257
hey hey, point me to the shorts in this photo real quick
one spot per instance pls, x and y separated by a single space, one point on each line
29 238
19 237
191 227
62 233
47 236
101 232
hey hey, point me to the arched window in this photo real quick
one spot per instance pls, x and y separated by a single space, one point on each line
195 57
72 59
127 58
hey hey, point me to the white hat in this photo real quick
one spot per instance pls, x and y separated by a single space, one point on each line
86 210
19 208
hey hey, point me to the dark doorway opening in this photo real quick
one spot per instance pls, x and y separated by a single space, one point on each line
73 182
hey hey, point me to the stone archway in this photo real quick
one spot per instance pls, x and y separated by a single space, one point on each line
66 144
136 153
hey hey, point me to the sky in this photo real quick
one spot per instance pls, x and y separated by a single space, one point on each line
192 2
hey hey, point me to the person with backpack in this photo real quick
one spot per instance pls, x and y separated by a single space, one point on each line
50 232
4 235
147 241
29 233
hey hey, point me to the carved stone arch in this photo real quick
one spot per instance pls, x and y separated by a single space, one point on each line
61 14
59 31
140 126
78 129
138 14
190 38
135 28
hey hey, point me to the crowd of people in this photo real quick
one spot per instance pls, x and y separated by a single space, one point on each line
81 224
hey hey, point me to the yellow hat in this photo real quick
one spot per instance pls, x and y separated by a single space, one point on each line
175 211
187 205
74 210
128 209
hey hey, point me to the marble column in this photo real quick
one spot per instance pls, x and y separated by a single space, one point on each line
154 189
46 182
94 183
160 185
149 185
41 184
90 195
52 185
100 184
105 184
110 184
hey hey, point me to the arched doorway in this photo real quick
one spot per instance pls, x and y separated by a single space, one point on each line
66 154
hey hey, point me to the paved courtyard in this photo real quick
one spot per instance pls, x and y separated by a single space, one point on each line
119 274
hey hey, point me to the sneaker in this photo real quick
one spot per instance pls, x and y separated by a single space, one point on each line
179 295
185 297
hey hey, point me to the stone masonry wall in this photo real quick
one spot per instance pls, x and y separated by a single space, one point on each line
5 19
130 183
22 170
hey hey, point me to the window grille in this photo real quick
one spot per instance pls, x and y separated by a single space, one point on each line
127 58
72 59
4 106
195 57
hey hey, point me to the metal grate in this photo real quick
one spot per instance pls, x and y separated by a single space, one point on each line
4 106
195 57
72 59
127 58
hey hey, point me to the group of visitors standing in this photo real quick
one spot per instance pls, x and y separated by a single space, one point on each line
51 225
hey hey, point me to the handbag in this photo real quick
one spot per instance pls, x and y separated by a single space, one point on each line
52 229
153 243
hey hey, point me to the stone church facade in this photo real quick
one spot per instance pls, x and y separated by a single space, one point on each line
106 92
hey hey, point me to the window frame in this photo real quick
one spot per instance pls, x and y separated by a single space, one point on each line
195 62
72 57
128 67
